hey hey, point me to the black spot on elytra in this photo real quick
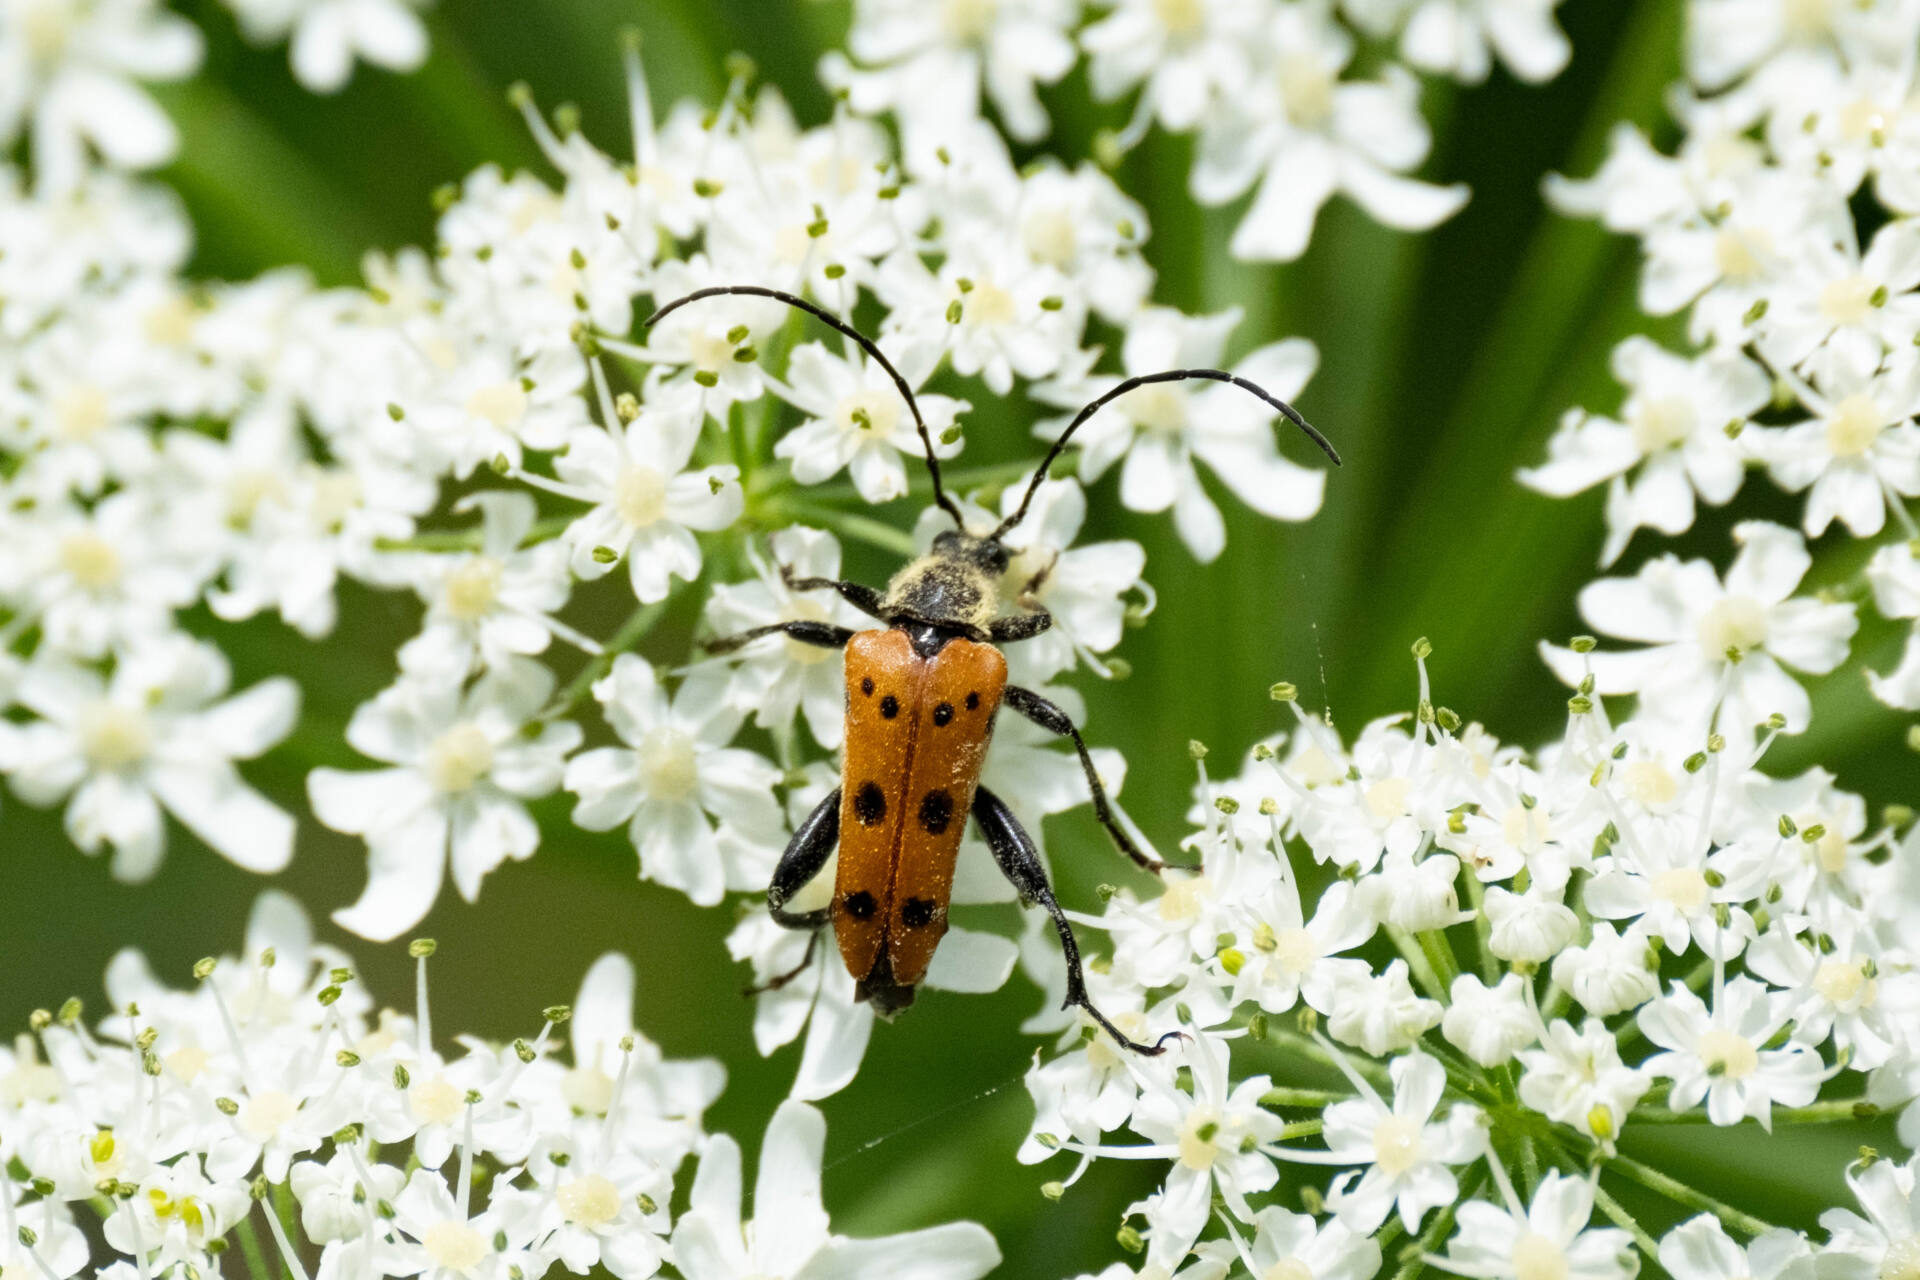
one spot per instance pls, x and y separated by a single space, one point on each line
973 701
866 685
936 812
916 913
943 714
860 905
869 804
889 706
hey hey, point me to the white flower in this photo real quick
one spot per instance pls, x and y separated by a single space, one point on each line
1302 134
1380 1013
702 815
1718 1054
463 764
1884 1242
1294 1244
1609 974
789 1234
1161 430
487 606
329 34
1407 1152
1191 53
1714 645
69 66
646 503
1528 928
1700 1249
158 734
1674 435
1861 451
1489 1024
859 423
931 58
1550 1237
1461 37
1576 1077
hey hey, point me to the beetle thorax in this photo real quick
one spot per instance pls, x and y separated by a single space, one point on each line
956 585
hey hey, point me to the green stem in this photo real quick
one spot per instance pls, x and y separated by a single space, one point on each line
1835 1112
859 528
1418 963
1309 1048
638 623
1482 931
1621 1218
1682 1194
1435 945
1300 1129
1284 1097
257 1265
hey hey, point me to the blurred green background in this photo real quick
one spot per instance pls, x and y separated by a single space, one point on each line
1446 360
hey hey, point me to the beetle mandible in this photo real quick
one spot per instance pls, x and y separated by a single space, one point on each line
922 692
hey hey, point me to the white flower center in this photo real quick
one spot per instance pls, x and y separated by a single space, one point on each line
1848 301
1306 89
1734 622
590 1202
868 414
989 306
170 323
791 242
1396 1145
335 494
1161 408
1683 888
503 404
30 1080
1526 829
1902 1260
640 495
1856 423
90 560
1288 1269
1052 238
1662 423
1537 1258
967 20
1387 798
588 1090
1649 784
1807 20
1198 1146
472 588
1184 898
1830 854
1846 984
46 29
454 1245
266 1113
434 1101
1863 120
669 766
459 758
1180 17
186 1063
79 412
1295 951
188 1210
246 490
710 350
1727 1054
113 736
1740 253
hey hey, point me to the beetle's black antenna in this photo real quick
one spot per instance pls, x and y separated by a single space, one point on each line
1147 379
867 345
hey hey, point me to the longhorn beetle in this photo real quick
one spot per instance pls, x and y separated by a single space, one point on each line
922 691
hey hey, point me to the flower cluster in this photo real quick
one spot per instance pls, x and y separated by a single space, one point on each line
1786 228
270 1111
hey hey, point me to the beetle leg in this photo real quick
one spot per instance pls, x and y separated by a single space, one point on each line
823 634
859 595
780 980
1020 862
812 844
1054 720
1019 626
